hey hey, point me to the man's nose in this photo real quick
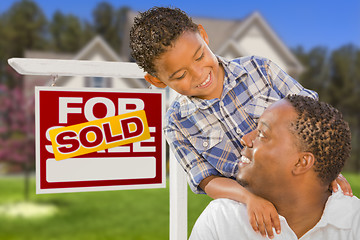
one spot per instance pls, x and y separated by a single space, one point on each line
247 139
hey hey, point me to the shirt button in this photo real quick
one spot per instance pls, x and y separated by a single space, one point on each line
205 144
238 131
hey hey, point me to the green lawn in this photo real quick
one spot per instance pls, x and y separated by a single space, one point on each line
129 214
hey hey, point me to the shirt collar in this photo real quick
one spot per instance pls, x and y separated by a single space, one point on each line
336 212
233 71
189 105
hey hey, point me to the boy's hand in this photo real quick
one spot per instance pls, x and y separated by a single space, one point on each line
344 184
263 216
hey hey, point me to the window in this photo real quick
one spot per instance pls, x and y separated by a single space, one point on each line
98 82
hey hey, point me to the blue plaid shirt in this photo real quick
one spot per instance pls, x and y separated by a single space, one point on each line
205 135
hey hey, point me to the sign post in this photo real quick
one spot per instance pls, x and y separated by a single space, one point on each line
57 68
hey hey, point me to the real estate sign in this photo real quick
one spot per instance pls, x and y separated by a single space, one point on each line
96 139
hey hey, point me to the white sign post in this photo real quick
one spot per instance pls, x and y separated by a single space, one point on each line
53 67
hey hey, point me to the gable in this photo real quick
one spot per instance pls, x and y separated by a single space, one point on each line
250 36
255 37
99 50
217 30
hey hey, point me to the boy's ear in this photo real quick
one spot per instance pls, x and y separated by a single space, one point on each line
203 34
304 164
154 81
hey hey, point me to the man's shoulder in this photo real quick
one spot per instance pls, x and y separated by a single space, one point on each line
340 199
342 210
223 219
226 206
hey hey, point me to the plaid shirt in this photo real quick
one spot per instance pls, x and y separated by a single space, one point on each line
205 135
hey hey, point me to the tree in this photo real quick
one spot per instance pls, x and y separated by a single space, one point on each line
316 74
17 131
110 23
23 27
67 33
336 77
344 93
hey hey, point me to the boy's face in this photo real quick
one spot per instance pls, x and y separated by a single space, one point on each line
189 67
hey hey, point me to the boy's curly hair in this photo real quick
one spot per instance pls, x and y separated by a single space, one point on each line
321 130
154 31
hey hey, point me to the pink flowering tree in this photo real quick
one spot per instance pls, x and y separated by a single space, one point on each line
17 145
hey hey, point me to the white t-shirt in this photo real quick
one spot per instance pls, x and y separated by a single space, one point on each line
225 219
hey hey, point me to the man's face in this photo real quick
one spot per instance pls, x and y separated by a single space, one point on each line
270 151
190 68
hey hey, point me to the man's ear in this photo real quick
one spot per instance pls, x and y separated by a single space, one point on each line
154 81
304 164
203 34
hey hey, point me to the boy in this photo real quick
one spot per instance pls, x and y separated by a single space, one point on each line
220 102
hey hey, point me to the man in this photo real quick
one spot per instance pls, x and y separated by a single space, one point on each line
298 148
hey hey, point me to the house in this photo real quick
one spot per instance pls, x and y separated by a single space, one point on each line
235 38
96 50
228 38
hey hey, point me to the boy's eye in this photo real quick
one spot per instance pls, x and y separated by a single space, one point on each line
181 77
201 57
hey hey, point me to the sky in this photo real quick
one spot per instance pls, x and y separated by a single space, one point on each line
308 23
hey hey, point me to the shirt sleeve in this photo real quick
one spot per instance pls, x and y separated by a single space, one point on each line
196 167
224 219
205 226
283 83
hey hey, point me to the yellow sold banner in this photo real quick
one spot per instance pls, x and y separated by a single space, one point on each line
97 135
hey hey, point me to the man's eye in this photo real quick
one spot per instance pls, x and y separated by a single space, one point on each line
260 134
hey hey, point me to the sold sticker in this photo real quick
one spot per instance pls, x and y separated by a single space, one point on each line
97 135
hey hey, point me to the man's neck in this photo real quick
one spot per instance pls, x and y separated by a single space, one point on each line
303 211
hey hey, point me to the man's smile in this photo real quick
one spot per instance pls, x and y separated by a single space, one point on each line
244 161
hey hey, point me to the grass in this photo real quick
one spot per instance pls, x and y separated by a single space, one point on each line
128 214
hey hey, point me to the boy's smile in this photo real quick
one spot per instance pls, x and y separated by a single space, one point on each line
189 67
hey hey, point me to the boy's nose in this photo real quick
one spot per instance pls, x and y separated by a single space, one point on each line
247 139
197 71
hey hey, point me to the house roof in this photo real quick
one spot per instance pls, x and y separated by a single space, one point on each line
97 42
218 30
224 34
88 52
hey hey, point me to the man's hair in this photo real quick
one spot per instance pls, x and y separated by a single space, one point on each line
321 130
154 31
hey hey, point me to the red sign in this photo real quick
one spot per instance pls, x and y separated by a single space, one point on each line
94 114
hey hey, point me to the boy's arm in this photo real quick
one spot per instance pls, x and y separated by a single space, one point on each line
262 213
194 164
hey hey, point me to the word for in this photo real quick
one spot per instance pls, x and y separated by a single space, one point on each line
125 105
